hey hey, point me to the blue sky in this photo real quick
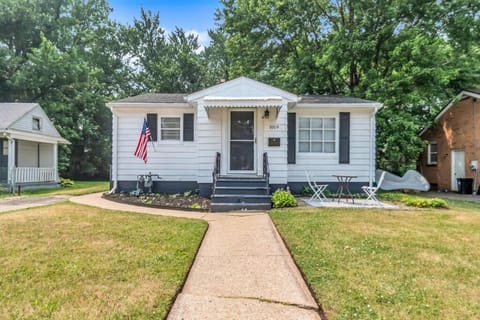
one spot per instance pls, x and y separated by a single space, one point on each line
190 15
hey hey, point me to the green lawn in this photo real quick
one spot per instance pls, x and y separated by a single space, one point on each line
384 264
79 188
68 261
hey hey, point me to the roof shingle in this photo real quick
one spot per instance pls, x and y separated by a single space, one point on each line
331 99
11 112
154 98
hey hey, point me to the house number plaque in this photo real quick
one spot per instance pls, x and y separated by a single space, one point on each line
274 142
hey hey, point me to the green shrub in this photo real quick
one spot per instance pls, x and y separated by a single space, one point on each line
306 190
413 201
282 199
65 182
425 203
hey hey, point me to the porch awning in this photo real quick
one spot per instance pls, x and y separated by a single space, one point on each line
273 102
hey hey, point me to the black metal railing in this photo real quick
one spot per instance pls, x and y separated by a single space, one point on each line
266 172
216 171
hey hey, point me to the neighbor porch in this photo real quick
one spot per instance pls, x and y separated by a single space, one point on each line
28 163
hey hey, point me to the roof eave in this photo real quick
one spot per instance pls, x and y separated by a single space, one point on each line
25 135
375 106
114 105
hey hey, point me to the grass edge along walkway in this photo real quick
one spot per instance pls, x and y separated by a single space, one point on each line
69 260
79 188
395 264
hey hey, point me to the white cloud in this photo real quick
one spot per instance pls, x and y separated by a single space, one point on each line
203 38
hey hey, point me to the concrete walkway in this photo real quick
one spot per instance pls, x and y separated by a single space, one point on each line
17 203
242 270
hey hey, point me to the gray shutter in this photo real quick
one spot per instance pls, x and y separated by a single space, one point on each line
344 145
291 137
152 121
188 127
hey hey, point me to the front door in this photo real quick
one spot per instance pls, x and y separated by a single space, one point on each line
458 167
242 142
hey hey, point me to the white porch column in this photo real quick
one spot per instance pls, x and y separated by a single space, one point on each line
11 161
55 161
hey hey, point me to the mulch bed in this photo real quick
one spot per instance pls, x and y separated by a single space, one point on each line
164 201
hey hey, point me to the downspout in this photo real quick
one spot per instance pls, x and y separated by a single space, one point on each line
11 161
371 175
115 153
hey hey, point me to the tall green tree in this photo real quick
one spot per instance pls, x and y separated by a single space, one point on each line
64 55
161 62
410 55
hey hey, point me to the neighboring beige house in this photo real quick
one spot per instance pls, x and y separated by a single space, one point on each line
453 143
28 144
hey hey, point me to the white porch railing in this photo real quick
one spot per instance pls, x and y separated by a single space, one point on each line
34 175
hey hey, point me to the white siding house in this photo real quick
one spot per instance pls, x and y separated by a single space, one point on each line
29 144
243 119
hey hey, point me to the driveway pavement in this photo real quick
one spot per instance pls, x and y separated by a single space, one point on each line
242 270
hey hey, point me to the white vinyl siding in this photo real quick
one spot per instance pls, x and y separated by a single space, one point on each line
317 135
27 154
26 123
277 156
210 137
46 155
324 165
172 161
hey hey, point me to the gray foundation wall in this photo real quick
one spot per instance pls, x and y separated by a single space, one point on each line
169 187
205 189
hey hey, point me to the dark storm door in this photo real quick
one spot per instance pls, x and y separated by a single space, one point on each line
3 160
242 141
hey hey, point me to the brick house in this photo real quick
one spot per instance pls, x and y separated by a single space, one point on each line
453 143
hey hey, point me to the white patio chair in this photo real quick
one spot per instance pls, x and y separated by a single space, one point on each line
317 189
372 191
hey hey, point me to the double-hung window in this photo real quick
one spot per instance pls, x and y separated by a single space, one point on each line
170 128
432 153
317 134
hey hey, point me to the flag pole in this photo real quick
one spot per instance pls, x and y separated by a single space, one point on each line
153 144
150 137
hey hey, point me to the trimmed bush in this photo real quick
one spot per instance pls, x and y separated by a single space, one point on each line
282 199
425 203
414 201
65 182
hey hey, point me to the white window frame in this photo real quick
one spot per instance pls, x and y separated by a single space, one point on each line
336 132
429 153
180 129
34 119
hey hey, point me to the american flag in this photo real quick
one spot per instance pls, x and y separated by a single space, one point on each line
141 150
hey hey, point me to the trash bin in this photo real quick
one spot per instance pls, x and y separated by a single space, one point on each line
464 185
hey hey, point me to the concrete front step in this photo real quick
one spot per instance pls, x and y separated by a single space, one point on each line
222 207
241 183
241 190
239 198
